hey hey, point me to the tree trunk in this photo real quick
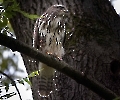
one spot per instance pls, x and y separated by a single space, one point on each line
91 49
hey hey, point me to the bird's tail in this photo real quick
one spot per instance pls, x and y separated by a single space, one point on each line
46 80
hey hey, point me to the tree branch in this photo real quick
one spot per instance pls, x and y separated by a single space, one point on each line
61 66
13 82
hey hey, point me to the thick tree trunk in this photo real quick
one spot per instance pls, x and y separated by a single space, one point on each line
91 48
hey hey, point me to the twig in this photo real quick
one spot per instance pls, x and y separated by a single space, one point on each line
13 82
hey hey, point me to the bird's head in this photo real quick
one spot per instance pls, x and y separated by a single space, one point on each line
58 11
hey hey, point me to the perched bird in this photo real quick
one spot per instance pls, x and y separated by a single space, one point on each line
48 37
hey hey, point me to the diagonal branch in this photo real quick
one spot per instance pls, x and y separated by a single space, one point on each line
61 66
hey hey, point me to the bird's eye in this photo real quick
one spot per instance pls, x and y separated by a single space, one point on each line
60 7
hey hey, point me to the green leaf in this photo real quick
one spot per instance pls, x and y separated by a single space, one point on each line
21 82
10 27
9 14
27 80
30 16
35 73
1 1
4 64
3 21
9 6
6 86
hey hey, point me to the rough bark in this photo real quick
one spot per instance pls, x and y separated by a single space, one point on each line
59 65
93 45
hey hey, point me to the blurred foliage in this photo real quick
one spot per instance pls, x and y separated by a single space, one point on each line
11 7
8 9
8 59
9 63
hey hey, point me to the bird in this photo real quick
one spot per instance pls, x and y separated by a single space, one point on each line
48 37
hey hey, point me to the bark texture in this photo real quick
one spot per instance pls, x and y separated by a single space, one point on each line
92 47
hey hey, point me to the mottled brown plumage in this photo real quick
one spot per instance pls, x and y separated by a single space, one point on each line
49 33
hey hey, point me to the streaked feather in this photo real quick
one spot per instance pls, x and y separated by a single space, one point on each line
49 33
